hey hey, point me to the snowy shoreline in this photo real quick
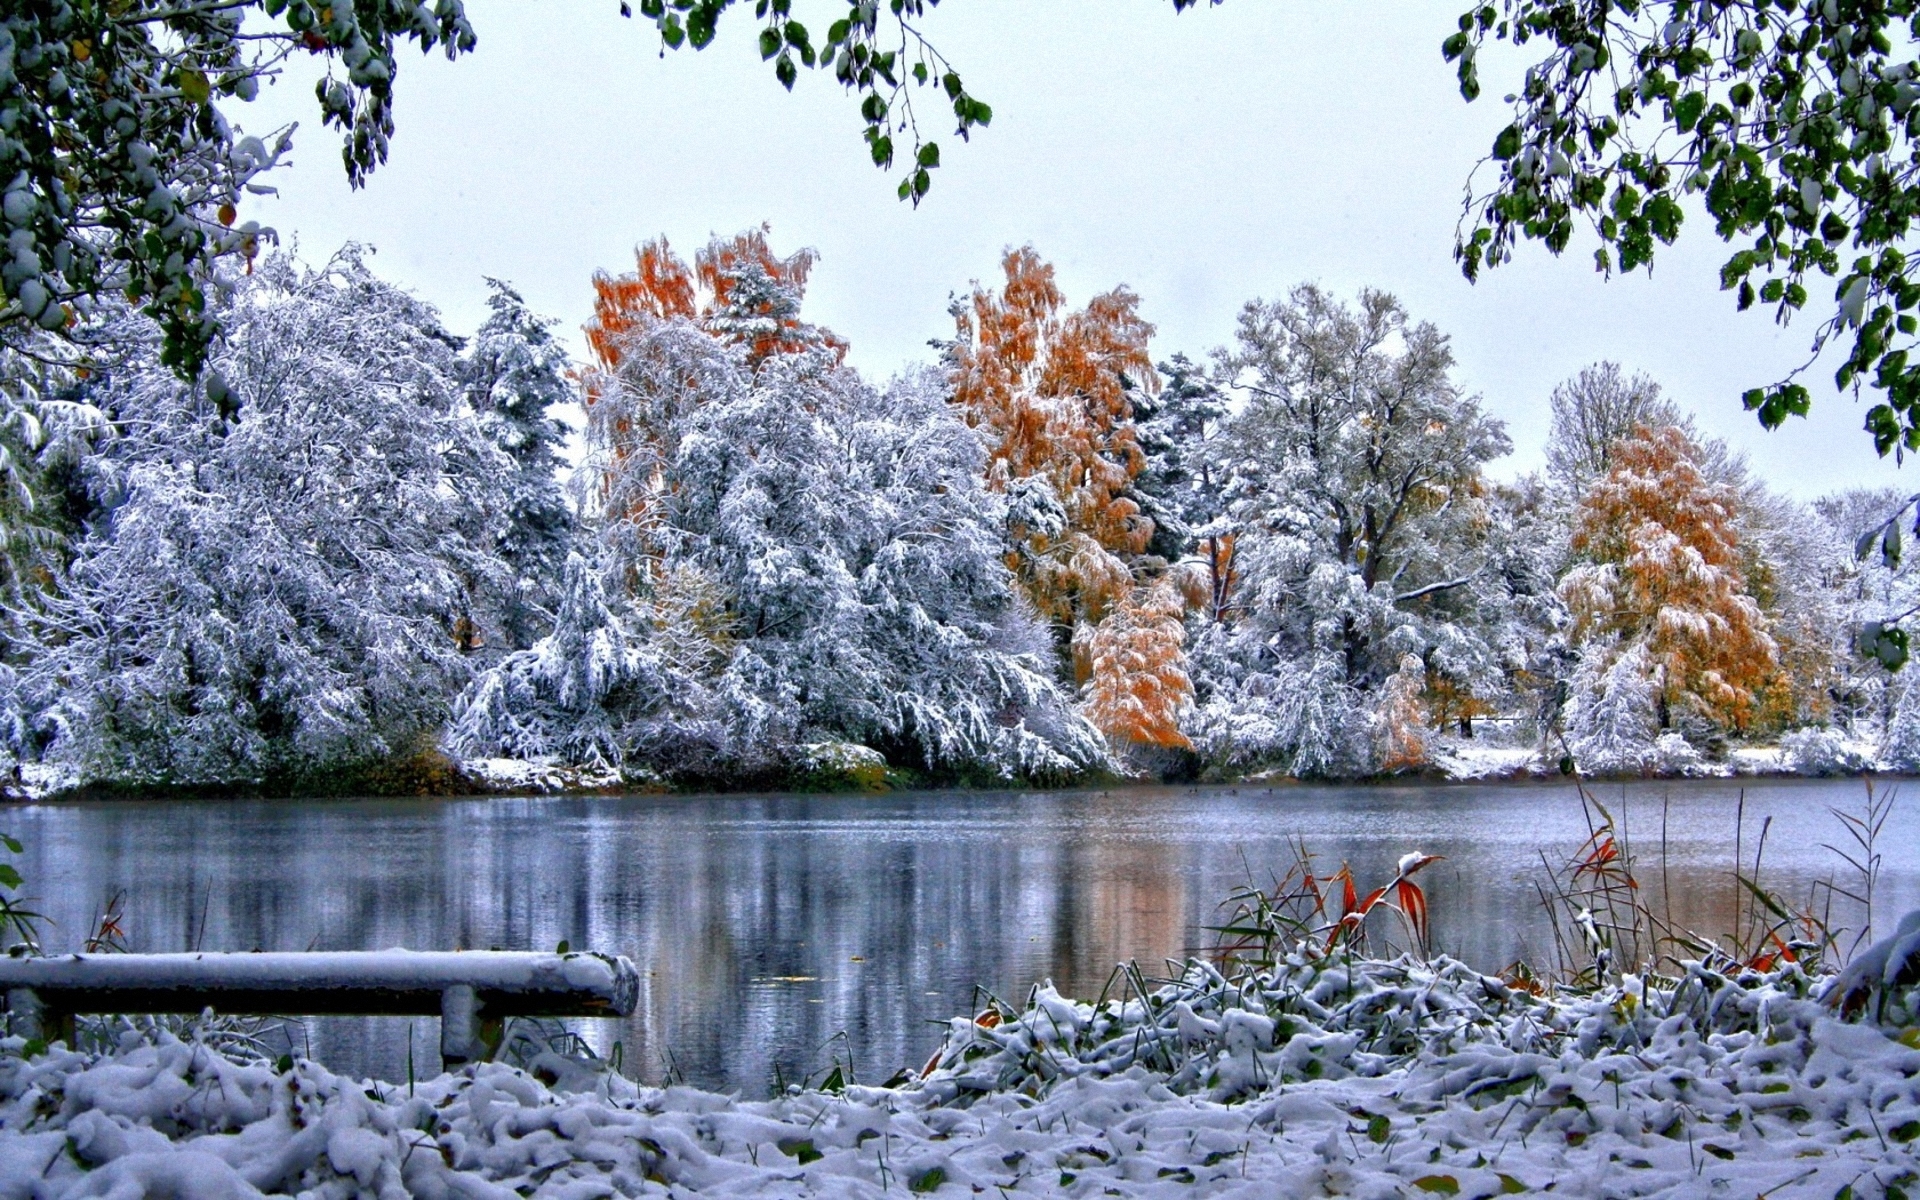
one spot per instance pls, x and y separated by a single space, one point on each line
504 777
1322 1076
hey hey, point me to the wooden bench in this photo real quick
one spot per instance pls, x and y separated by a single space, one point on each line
472 992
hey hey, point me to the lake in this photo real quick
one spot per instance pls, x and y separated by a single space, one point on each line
776 933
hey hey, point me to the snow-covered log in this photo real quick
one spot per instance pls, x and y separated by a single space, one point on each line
469 990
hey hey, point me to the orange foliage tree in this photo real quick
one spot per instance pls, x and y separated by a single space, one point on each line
1662 569
1139 689
1048 388
1400 718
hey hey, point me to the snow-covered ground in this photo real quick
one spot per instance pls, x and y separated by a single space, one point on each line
539 776
1321 1077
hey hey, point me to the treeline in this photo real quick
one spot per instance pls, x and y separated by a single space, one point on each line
343 558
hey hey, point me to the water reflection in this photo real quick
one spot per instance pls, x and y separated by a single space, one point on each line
767 926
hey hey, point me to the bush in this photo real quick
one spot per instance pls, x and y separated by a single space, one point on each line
1823 751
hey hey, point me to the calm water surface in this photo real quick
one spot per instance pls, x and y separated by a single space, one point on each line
766 927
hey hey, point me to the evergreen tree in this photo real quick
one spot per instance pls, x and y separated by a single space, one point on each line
516 373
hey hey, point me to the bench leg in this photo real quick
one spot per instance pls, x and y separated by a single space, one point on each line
459 1027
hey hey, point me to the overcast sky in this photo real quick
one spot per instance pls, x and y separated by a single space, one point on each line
1201 159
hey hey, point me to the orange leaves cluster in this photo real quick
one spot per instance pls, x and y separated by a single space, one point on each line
1663 567
1049 389
1139 688
659 288
738 289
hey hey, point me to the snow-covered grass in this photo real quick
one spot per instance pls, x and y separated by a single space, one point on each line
1319 1075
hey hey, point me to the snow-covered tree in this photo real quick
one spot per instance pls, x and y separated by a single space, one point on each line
515 374
1364 529
1400 718
1592 413
283 562
1660 570
1614 722
1182 486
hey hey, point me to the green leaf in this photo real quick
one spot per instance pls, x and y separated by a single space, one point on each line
769 43
1379 1128
1509 1186
1443 1185
1687 110
799 1148
1508 143
929 155
194 86
8 876
565 947
931 1179
12 843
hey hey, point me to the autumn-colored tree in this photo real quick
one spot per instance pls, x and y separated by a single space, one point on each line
1662 570
1049 390
1139 688
1400 719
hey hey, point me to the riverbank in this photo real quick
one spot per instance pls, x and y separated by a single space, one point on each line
1323 1076
847 767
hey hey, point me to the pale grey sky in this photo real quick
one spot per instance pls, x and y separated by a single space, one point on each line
1202 159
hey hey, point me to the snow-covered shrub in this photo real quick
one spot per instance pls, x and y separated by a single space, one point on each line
600 685
1823 751
1306 721
1613 723
1673 754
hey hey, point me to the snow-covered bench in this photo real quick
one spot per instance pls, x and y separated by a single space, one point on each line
472 992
